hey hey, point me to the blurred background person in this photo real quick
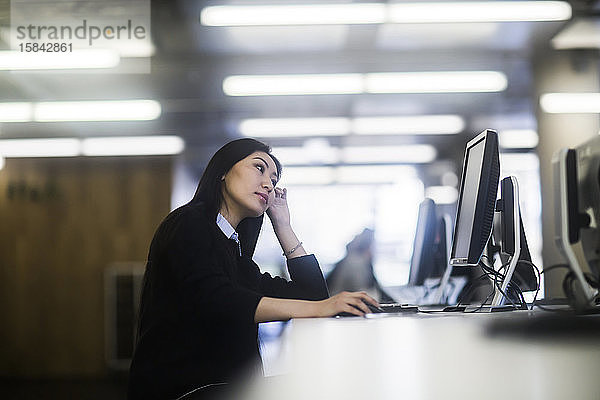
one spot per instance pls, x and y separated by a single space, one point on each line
354 272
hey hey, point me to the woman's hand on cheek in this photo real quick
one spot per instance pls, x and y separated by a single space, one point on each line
278 210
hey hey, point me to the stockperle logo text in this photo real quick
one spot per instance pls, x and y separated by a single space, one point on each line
84 31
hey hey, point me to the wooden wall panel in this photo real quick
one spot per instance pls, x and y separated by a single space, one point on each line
62 222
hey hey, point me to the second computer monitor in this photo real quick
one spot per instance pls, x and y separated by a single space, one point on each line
476 200
588 207
422 263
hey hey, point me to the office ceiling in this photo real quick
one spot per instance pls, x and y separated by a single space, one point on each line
191 61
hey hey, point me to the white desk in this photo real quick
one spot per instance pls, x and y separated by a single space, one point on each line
424 356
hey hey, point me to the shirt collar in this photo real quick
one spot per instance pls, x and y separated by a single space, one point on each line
226 227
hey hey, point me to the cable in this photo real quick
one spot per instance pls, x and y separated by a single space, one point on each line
567 284
483 303
565 289
497 274
518 290
555 266
539 278
487 271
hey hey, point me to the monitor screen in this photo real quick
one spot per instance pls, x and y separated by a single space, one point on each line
574 215
477 199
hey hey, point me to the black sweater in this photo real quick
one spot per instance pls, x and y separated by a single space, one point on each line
198 304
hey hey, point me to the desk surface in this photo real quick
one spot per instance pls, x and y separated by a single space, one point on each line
425 356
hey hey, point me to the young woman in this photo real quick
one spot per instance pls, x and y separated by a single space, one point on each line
203 296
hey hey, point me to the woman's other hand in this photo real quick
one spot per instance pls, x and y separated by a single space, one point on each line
279 214
350 302
278 210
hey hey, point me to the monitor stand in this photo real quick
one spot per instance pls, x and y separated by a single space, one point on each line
577 262
498 301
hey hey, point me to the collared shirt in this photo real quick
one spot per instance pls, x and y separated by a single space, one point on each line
228 230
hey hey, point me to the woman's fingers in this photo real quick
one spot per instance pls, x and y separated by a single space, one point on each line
281 193
352 302
362 306
369 299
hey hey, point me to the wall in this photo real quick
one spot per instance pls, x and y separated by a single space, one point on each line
62 221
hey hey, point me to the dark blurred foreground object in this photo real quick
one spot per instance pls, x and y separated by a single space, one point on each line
550 325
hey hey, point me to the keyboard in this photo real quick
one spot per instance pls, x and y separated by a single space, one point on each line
385 308
395 308
441 308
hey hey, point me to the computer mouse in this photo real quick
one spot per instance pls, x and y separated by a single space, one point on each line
372 309
346 314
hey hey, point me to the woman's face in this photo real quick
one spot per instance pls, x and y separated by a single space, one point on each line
248 187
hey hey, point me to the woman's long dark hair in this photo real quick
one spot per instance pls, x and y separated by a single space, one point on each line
209 191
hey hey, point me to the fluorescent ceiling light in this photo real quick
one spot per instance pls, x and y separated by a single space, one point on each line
317 14
570 102
579 34
16 60
54 147
436 82
307 176
15 112
409 125
285 127
355 174
132 146
406 125
279 85
389 154
125 110
489 11
388 82
518 139
318 154
442 194
100 146
376 13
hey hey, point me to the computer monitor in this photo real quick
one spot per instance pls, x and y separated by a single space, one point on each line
576 203
426 260
588 189
476 200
